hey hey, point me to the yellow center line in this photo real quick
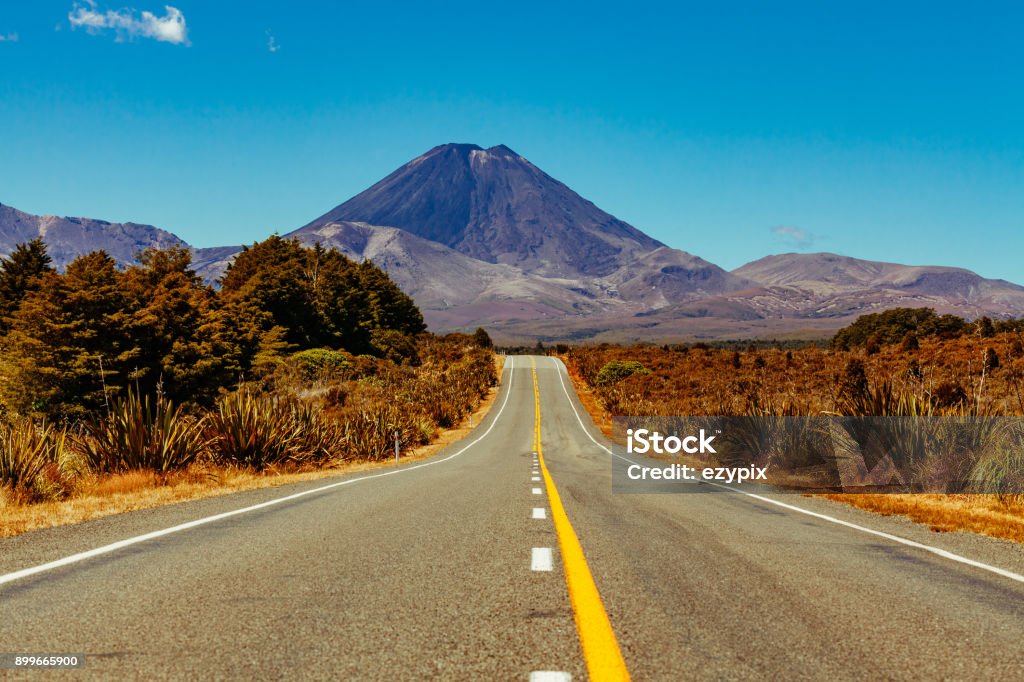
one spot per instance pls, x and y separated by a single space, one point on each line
597 639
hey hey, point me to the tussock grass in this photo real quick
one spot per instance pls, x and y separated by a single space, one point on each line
32 460
142 434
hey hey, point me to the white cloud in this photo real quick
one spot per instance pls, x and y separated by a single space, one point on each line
272 43
794 235
9 38
129 24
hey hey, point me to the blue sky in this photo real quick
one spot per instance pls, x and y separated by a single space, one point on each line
890 131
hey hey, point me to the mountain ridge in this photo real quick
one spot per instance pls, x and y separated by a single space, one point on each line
487 238
69 237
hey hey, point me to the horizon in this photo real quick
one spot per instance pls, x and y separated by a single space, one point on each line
769 255
883 134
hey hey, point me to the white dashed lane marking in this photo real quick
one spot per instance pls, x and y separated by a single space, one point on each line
541 559
550 676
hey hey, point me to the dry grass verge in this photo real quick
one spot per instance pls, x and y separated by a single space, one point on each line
104 495
998 517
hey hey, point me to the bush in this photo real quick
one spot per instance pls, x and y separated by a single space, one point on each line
27 450
853 387
321 439
949 394
139 434
482 339
253 431
394 346
617 370
319 364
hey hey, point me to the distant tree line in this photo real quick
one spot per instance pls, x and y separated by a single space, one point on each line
907 325
71 341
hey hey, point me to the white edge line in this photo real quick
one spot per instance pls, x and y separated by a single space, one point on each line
114 546
945 554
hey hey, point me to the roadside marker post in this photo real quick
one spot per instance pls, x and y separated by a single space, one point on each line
396 446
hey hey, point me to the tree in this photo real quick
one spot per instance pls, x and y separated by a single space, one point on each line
482 339
20 275
390 307
984 327
271 276
320 298
892 326
185 345
69 346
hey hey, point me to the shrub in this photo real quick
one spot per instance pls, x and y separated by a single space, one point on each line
319 364
482 339
253 431
872 345
139 434
1016 348
991 359
853 387
27 450
320 438
394 346
949 394
617 370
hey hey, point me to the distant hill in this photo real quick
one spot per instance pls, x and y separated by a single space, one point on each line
483 237
67 238
830 285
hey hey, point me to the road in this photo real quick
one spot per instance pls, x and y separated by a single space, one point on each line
442 569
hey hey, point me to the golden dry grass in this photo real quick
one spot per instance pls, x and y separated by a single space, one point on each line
99 496
985 514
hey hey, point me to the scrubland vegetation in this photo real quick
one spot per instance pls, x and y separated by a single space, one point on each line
902 363
300 360
971 373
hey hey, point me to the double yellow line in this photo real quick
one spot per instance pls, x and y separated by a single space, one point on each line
597 639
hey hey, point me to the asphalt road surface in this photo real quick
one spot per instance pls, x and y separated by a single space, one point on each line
491 562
